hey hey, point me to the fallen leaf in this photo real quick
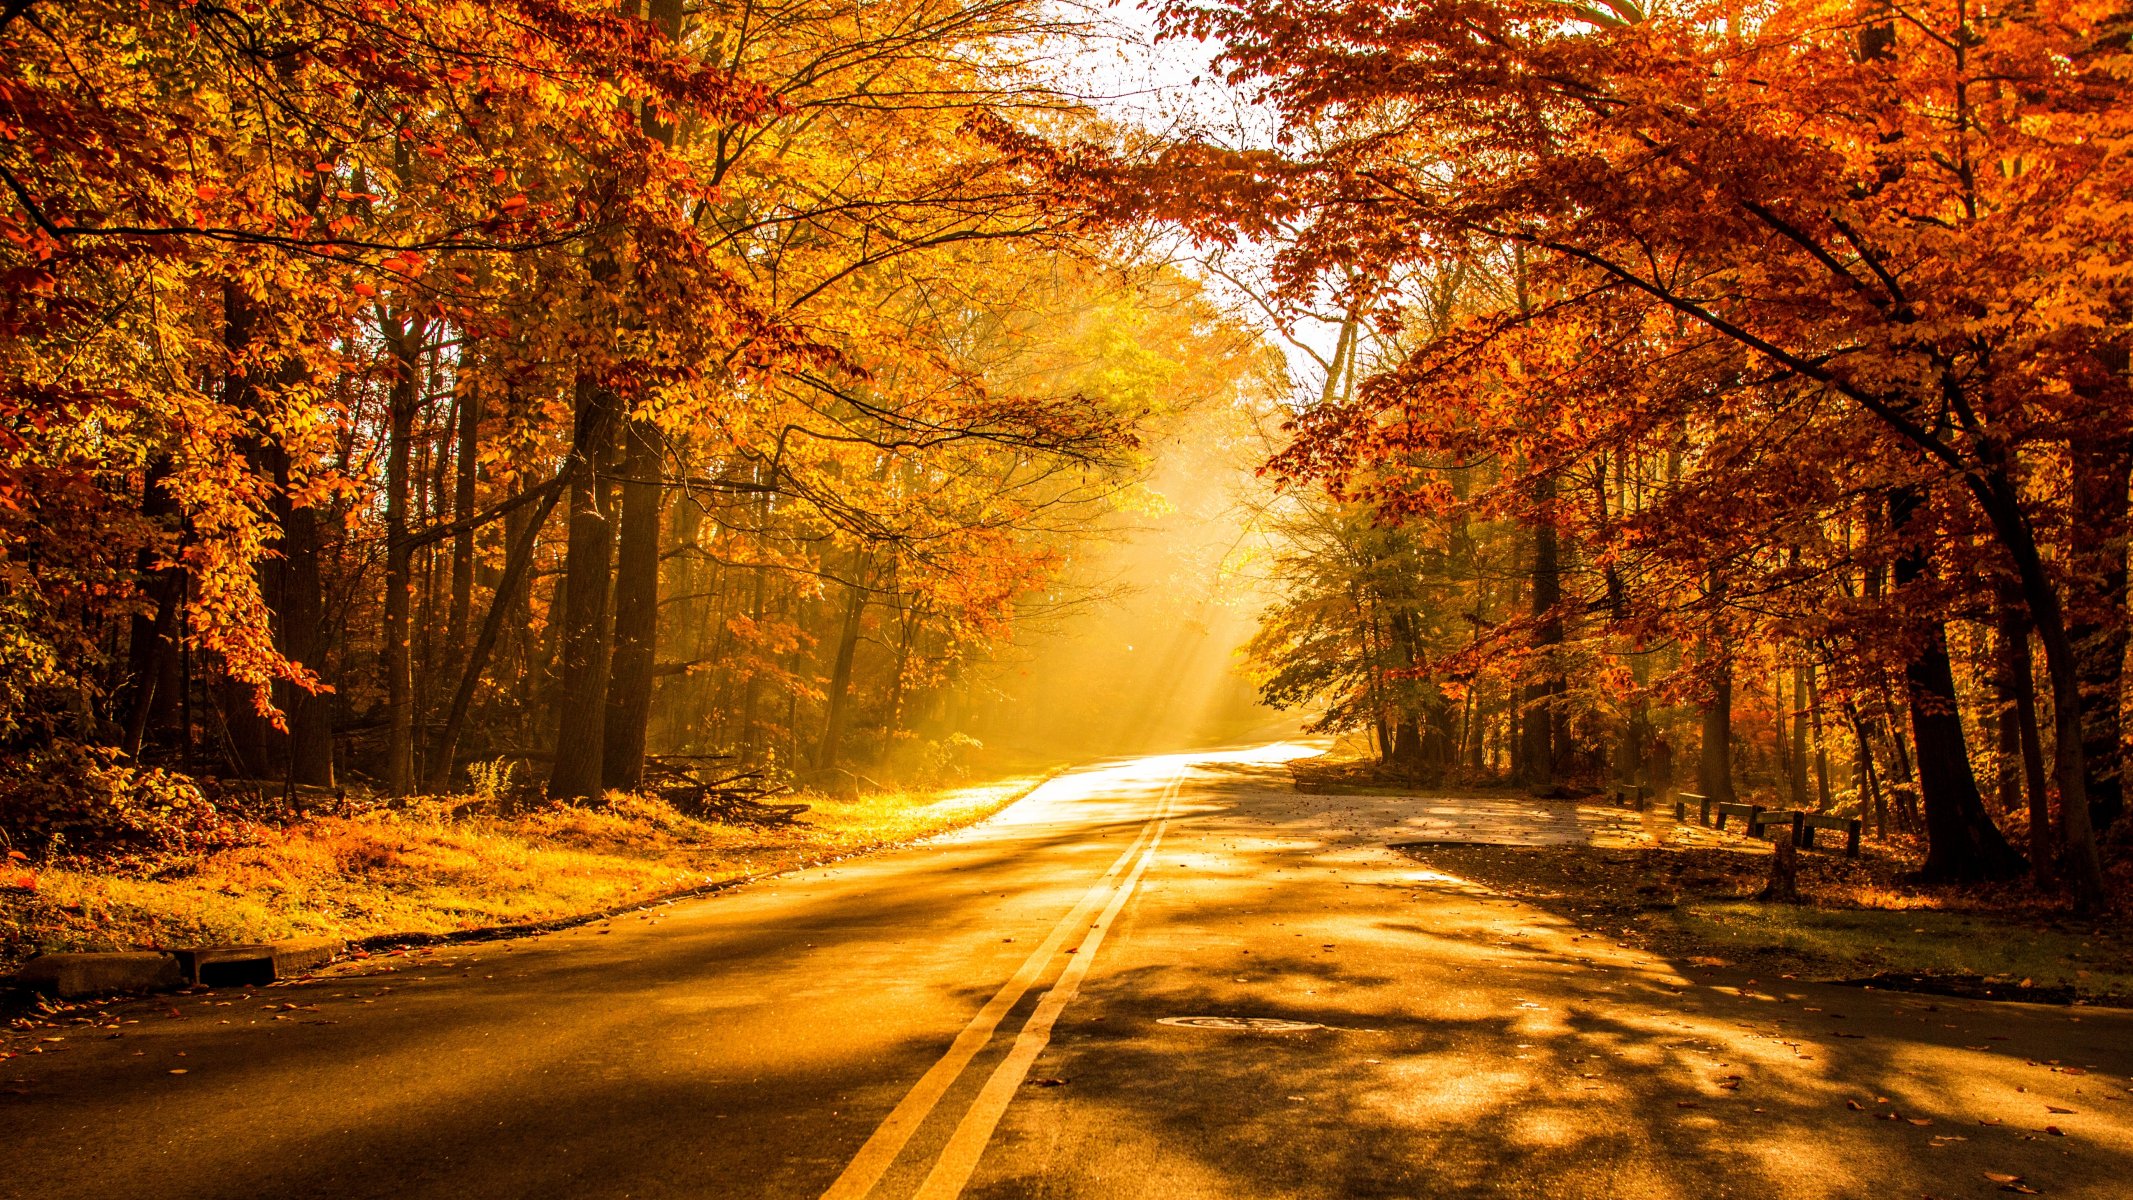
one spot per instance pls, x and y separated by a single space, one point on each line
1046 1082
2053 1108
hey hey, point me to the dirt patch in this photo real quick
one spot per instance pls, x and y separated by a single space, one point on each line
1859 919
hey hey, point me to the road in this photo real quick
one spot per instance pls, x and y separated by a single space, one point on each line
1005 1012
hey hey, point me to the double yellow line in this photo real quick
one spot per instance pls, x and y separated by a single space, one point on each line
967 1144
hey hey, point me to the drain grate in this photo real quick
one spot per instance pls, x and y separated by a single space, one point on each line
1241 1024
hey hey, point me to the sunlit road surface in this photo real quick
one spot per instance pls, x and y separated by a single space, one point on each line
985 1015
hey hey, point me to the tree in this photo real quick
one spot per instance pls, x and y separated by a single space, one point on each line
1888 231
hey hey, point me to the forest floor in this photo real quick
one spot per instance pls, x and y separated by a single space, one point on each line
1689 893
1858 920
431 866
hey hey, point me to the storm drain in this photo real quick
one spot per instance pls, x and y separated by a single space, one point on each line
1241 1024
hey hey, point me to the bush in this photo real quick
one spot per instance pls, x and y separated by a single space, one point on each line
86 798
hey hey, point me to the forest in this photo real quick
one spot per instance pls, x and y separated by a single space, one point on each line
1725 398
394 387
1719 397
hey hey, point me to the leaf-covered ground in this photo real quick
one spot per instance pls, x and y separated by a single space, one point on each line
1860 917
422 869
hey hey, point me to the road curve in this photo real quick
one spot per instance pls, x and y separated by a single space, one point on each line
1166 977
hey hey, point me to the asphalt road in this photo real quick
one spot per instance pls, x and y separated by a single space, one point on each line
998 1014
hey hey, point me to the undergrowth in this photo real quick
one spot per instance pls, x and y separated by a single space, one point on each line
443 865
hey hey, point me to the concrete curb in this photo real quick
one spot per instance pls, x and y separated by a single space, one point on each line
71 976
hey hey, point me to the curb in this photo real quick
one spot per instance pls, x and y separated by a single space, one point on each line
71 976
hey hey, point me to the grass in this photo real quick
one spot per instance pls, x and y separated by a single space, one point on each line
421 869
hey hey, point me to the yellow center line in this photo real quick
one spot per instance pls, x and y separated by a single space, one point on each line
967 1144
888 1139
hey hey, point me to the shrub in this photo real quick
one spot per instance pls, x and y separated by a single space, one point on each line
87 798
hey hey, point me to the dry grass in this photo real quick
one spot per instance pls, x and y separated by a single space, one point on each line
419 869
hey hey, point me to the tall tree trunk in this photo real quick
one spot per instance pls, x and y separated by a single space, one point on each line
466 467
1962 843
507 602
1799 737
1823 798
629 684
2096 614
152 648
840 683
404 341
2006 724
1869 778
582 659
1714 761
1410 752
304 640
1542 710
1996 493
2018 674
1714 765
250 733
301 622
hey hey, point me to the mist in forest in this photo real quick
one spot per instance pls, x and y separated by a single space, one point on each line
1136 649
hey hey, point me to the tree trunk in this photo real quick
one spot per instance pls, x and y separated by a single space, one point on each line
152 648
1714 765
404 343
629 685
2096 614
1798 753
518 559
1962 843
250 733
2006 724
1541 716
2018 677
581 692
467 476
1823 799
1869 778
1996 493
1407 756
840 683
304 640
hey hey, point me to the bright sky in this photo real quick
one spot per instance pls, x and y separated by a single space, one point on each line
1172 87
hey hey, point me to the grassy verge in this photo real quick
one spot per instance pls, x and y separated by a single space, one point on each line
1859 919
420 869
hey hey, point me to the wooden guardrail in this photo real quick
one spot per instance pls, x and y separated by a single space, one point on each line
1800 828
1851 826
1682 800
1762 822
1746 812
1755 820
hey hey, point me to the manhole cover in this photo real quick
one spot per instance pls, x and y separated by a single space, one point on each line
1244 1024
